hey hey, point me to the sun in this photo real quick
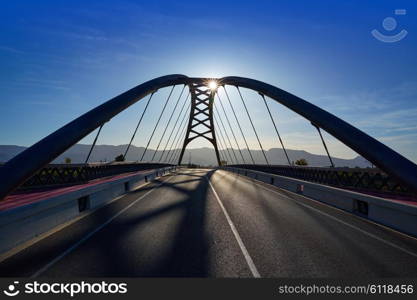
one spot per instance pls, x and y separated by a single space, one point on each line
212 85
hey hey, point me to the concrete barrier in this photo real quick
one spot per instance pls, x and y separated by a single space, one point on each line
394 214
23 223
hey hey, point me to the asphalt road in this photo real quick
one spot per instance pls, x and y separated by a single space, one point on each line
205 223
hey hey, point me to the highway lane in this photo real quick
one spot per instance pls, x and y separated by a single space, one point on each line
182 225
288 236
175 228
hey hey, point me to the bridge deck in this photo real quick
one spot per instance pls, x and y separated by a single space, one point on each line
182 225
24 198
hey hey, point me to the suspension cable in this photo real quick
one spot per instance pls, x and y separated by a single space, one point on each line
157 122
238 123
253 126
324 144
94 143
227 135
222 156
177 150
137 126
224 140
178 134
276 129
175 145
169 121
222 130
230 127
174 140
173 128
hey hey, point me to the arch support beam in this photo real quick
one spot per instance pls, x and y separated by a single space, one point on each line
24 165
201 115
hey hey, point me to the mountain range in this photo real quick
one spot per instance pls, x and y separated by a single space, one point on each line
200 156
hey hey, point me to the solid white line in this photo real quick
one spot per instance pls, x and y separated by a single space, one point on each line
340 221
242 247
344 212
90 234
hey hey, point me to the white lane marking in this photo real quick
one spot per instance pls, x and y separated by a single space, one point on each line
344 212
340 221
90 234
242 247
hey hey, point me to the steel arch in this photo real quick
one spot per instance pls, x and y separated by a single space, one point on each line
376 152
25 164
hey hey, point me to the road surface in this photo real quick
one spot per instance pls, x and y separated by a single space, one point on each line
206 223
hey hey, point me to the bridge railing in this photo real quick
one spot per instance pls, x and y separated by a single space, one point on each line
55 175
368 180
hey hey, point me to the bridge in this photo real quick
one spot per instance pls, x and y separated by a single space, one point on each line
245 217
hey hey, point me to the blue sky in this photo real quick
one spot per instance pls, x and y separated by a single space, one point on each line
59 59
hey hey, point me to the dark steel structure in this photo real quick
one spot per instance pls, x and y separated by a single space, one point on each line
201 116
367 180
55 175
19 169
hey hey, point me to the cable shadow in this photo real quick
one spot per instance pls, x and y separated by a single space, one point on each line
189 252
184 255
336 237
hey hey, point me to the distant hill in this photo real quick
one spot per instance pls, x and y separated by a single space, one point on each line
9 151
202 156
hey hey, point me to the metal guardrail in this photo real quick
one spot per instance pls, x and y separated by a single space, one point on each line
63 174
359 179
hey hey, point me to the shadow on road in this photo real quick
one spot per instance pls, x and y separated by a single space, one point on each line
186 254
